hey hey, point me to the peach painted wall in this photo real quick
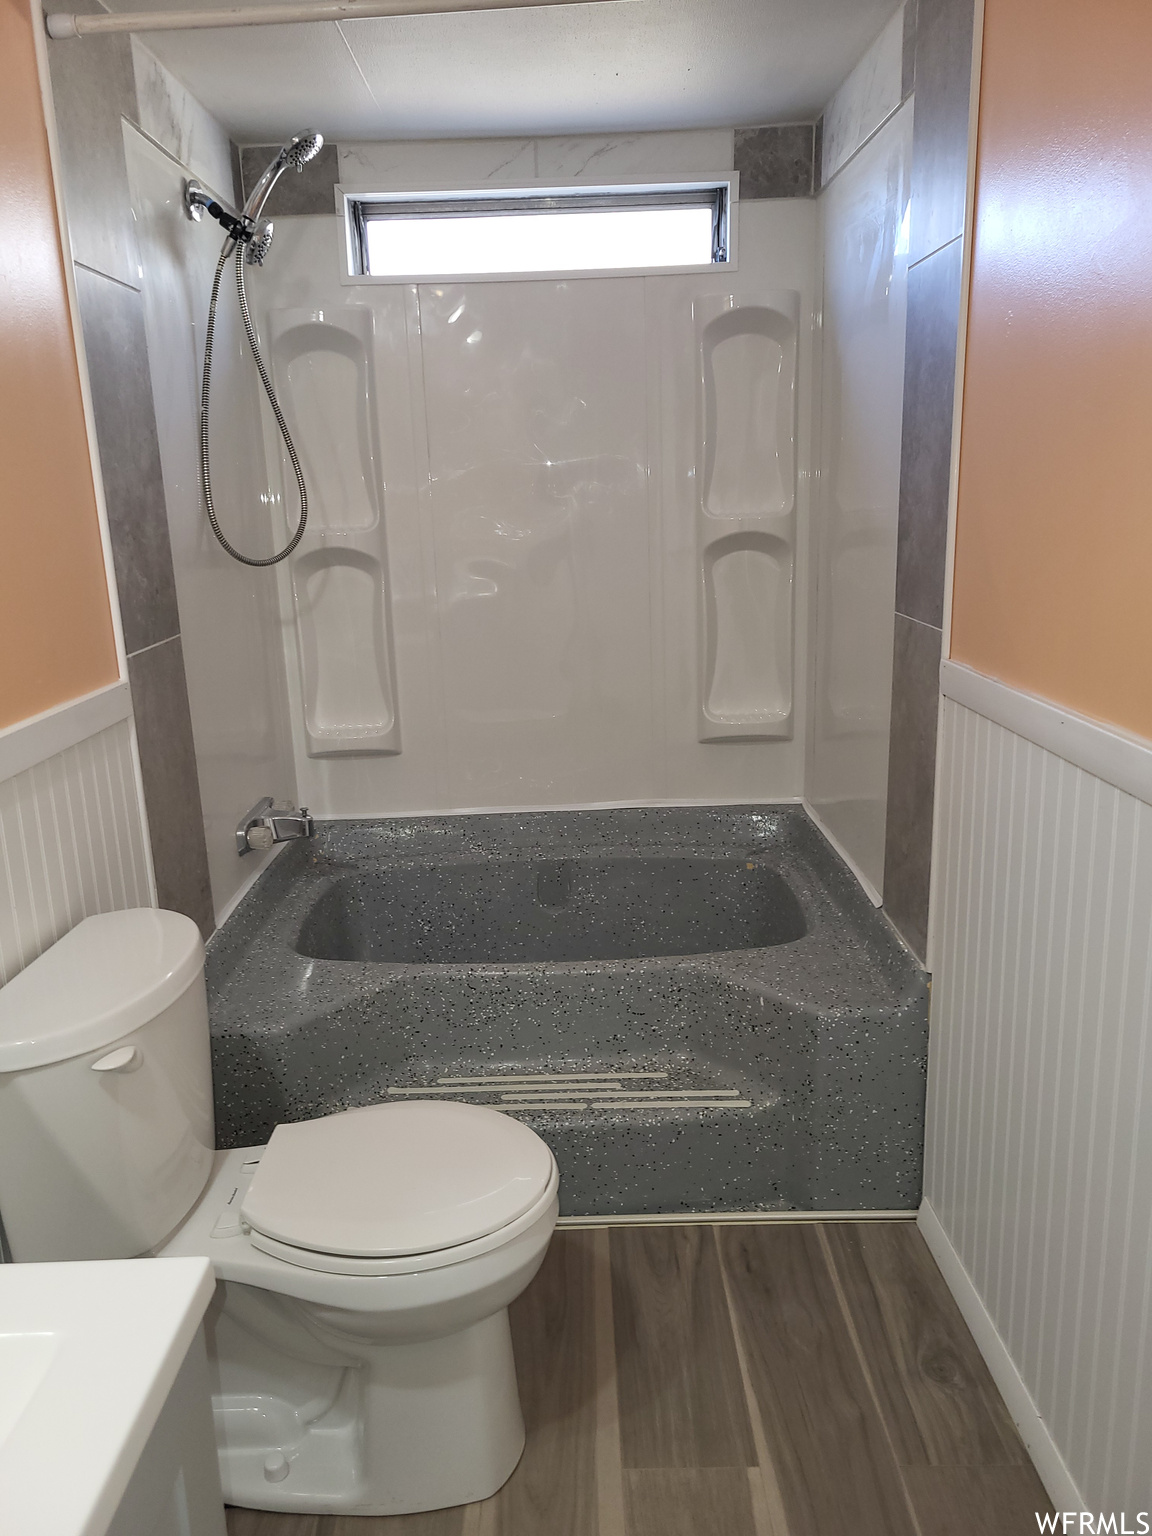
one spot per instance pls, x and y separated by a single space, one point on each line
1053 569
56 637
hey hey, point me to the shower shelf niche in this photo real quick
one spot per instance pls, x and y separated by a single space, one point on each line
349 693
341 602
746 514
323 363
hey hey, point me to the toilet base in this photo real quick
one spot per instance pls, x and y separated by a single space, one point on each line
400 1428
354 1394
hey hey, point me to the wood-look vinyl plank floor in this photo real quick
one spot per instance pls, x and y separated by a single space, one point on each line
260 1522
957 1501
681 1396
829 1445
256 1522
938 1398
687 1501
761 1380
554 1337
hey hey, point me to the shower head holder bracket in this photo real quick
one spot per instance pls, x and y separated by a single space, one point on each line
198 201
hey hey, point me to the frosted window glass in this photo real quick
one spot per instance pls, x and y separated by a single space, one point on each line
539 241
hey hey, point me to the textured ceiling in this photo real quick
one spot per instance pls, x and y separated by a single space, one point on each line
632 65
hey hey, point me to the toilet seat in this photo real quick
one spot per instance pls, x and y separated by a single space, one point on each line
410 1263
397 1188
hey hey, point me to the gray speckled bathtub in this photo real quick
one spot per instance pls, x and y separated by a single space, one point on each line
698 1010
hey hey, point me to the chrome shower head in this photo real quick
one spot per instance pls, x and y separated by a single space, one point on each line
259 245
296 153
304 147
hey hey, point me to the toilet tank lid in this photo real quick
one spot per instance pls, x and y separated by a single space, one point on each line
106 977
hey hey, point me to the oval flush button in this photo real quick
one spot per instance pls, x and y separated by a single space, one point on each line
126 1059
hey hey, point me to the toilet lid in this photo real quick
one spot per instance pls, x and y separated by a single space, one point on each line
396 1179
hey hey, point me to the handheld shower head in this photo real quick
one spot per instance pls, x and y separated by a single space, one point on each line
304 147
296 153
259 245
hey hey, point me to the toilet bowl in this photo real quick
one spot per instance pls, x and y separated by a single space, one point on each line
365 1261
381 1382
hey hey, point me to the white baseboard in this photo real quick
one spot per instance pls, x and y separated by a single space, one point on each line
1037 1437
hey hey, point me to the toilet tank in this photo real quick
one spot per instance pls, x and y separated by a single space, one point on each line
106 1128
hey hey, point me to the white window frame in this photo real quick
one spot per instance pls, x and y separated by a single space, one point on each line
348 195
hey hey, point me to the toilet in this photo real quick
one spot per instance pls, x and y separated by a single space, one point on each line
365 1261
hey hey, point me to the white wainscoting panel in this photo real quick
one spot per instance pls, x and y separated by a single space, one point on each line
1039 1142
72 842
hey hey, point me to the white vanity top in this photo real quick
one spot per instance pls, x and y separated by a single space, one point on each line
88 1354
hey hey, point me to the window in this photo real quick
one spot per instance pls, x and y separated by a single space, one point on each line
615 229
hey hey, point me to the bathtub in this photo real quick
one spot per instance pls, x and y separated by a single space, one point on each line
698 1009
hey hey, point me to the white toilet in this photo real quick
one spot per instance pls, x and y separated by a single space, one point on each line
365 1261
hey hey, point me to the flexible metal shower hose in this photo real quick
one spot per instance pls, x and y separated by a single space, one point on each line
205 475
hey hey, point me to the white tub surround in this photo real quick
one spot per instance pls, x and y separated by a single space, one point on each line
541 568
746 514
169 114
408 164
1039 1139
229 614
866 100
865 245
105 1414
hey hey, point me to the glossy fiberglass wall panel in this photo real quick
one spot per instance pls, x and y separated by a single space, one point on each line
537 439
229 613
323 363
865 242
746 523
539 457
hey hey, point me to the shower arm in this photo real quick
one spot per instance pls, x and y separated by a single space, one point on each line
198 201
62 24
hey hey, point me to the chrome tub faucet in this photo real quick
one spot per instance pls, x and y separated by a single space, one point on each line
268 823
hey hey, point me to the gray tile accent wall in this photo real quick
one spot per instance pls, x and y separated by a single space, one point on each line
237 175
114 341
93 87
817 153
926 448
171 783
776 161
940 147
911 774
941 69
310 190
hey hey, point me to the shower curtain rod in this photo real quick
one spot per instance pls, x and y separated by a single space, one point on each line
66 24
